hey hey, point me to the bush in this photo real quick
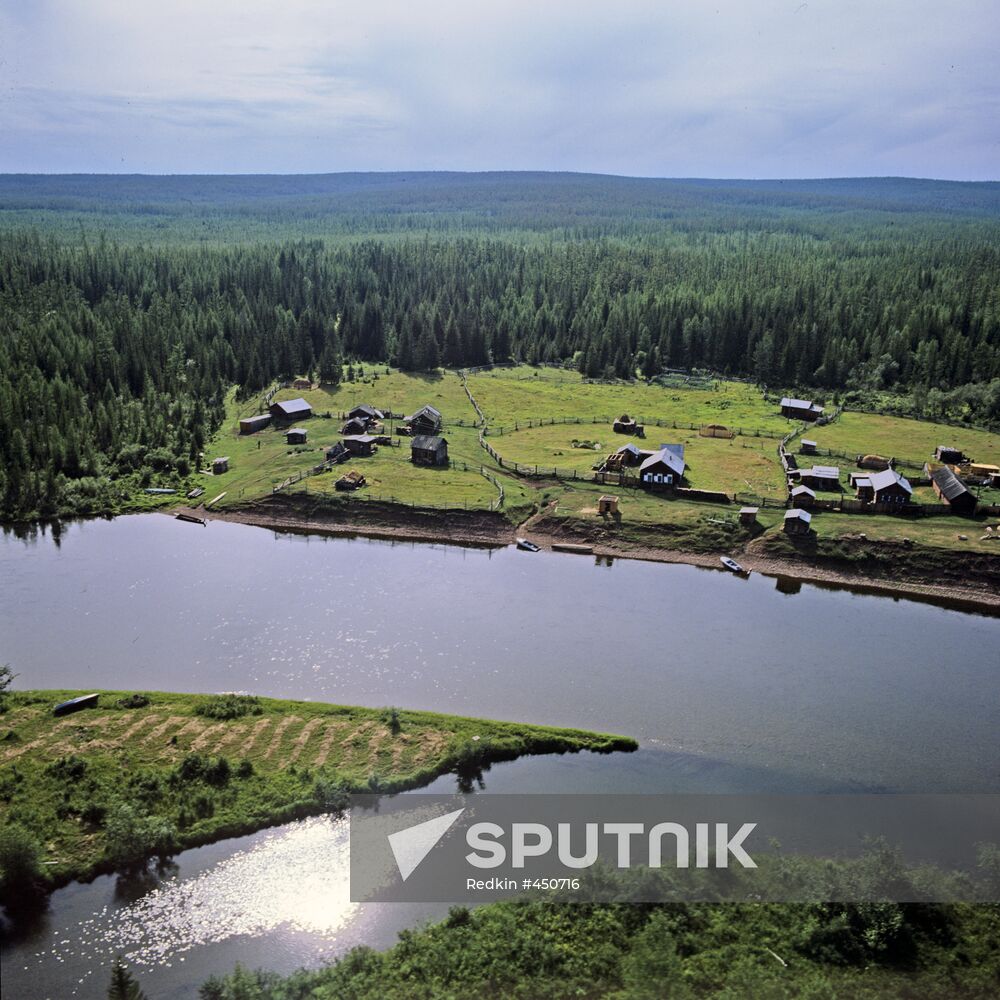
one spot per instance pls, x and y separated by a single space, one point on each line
20 867
131 838
229 706
133 701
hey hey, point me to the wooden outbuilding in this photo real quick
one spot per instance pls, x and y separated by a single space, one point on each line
800 409
953 491
748 516
426 420
297 435
802 496
797 522
365 412
807 447
356 425
220 465
607 505
626 425
337 453
291 409
360 444
821 477
949 456
427 449
250 425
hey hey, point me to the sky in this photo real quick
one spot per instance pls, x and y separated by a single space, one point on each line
671 88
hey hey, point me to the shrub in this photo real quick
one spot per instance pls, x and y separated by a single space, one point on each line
133 701
244 769
229 706
131 838
20 868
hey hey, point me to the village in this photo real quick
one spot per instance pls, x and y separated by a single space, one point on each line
719 456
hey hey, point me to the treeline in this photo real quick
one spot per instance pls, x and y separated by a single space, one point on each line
114 358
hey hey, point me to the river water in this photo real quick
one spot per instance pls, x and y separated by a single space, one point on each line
729 685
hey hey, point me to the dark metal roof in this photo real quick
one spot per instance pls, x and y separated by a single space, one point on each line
368 411
801 404
948 483
425 411
802 515
427 442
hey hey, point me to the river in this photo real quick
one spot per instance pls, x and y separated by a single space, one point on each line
729 685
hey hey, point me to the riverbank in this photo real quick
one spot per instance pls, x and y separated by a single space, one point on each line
147 774
895 568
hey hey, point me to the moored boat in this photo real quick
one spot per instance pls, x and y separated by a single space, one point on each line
527 545
733 566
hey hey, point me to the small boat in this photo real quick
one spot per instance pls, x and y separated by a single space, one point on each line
527 546
582 550
190 518
733 566
75 704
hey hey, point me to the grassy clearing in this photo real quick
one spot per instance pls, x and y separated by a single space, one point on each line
507 395
63 779
915 440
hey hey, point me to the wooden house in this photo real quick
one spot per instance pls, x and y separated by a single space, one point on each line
949 456
291 409
220 465
426 449
664 467
355 425
360 444
365 412
807 447
802 496
250 425
296 435
863 489
426 420
800 409
821 477
748 516
889 486
607 505
797 522
953 491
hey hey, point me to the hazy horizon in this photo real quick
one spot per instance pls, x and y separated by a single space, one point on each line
767 89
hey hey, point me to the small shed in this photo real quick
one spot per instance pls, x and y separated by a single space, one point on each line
953 491
797 522
250 425
800 409
297 435
748 516
356 425
220 465
291 409
360 444
948 455
427 449
863 489
802 496
607 505
807 447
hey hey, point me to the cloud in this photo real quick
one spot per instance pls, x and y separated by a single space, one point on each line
752 88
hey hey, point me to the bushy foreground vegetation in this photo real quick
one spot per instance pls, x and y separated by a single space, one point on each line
549 951
136 778
115 356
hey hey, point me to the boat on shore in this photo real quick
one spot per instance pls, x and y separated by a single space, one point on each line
733 566
191 519
526 545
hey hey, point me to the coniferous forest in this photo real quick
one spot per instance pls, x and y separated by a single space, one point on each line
128 306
